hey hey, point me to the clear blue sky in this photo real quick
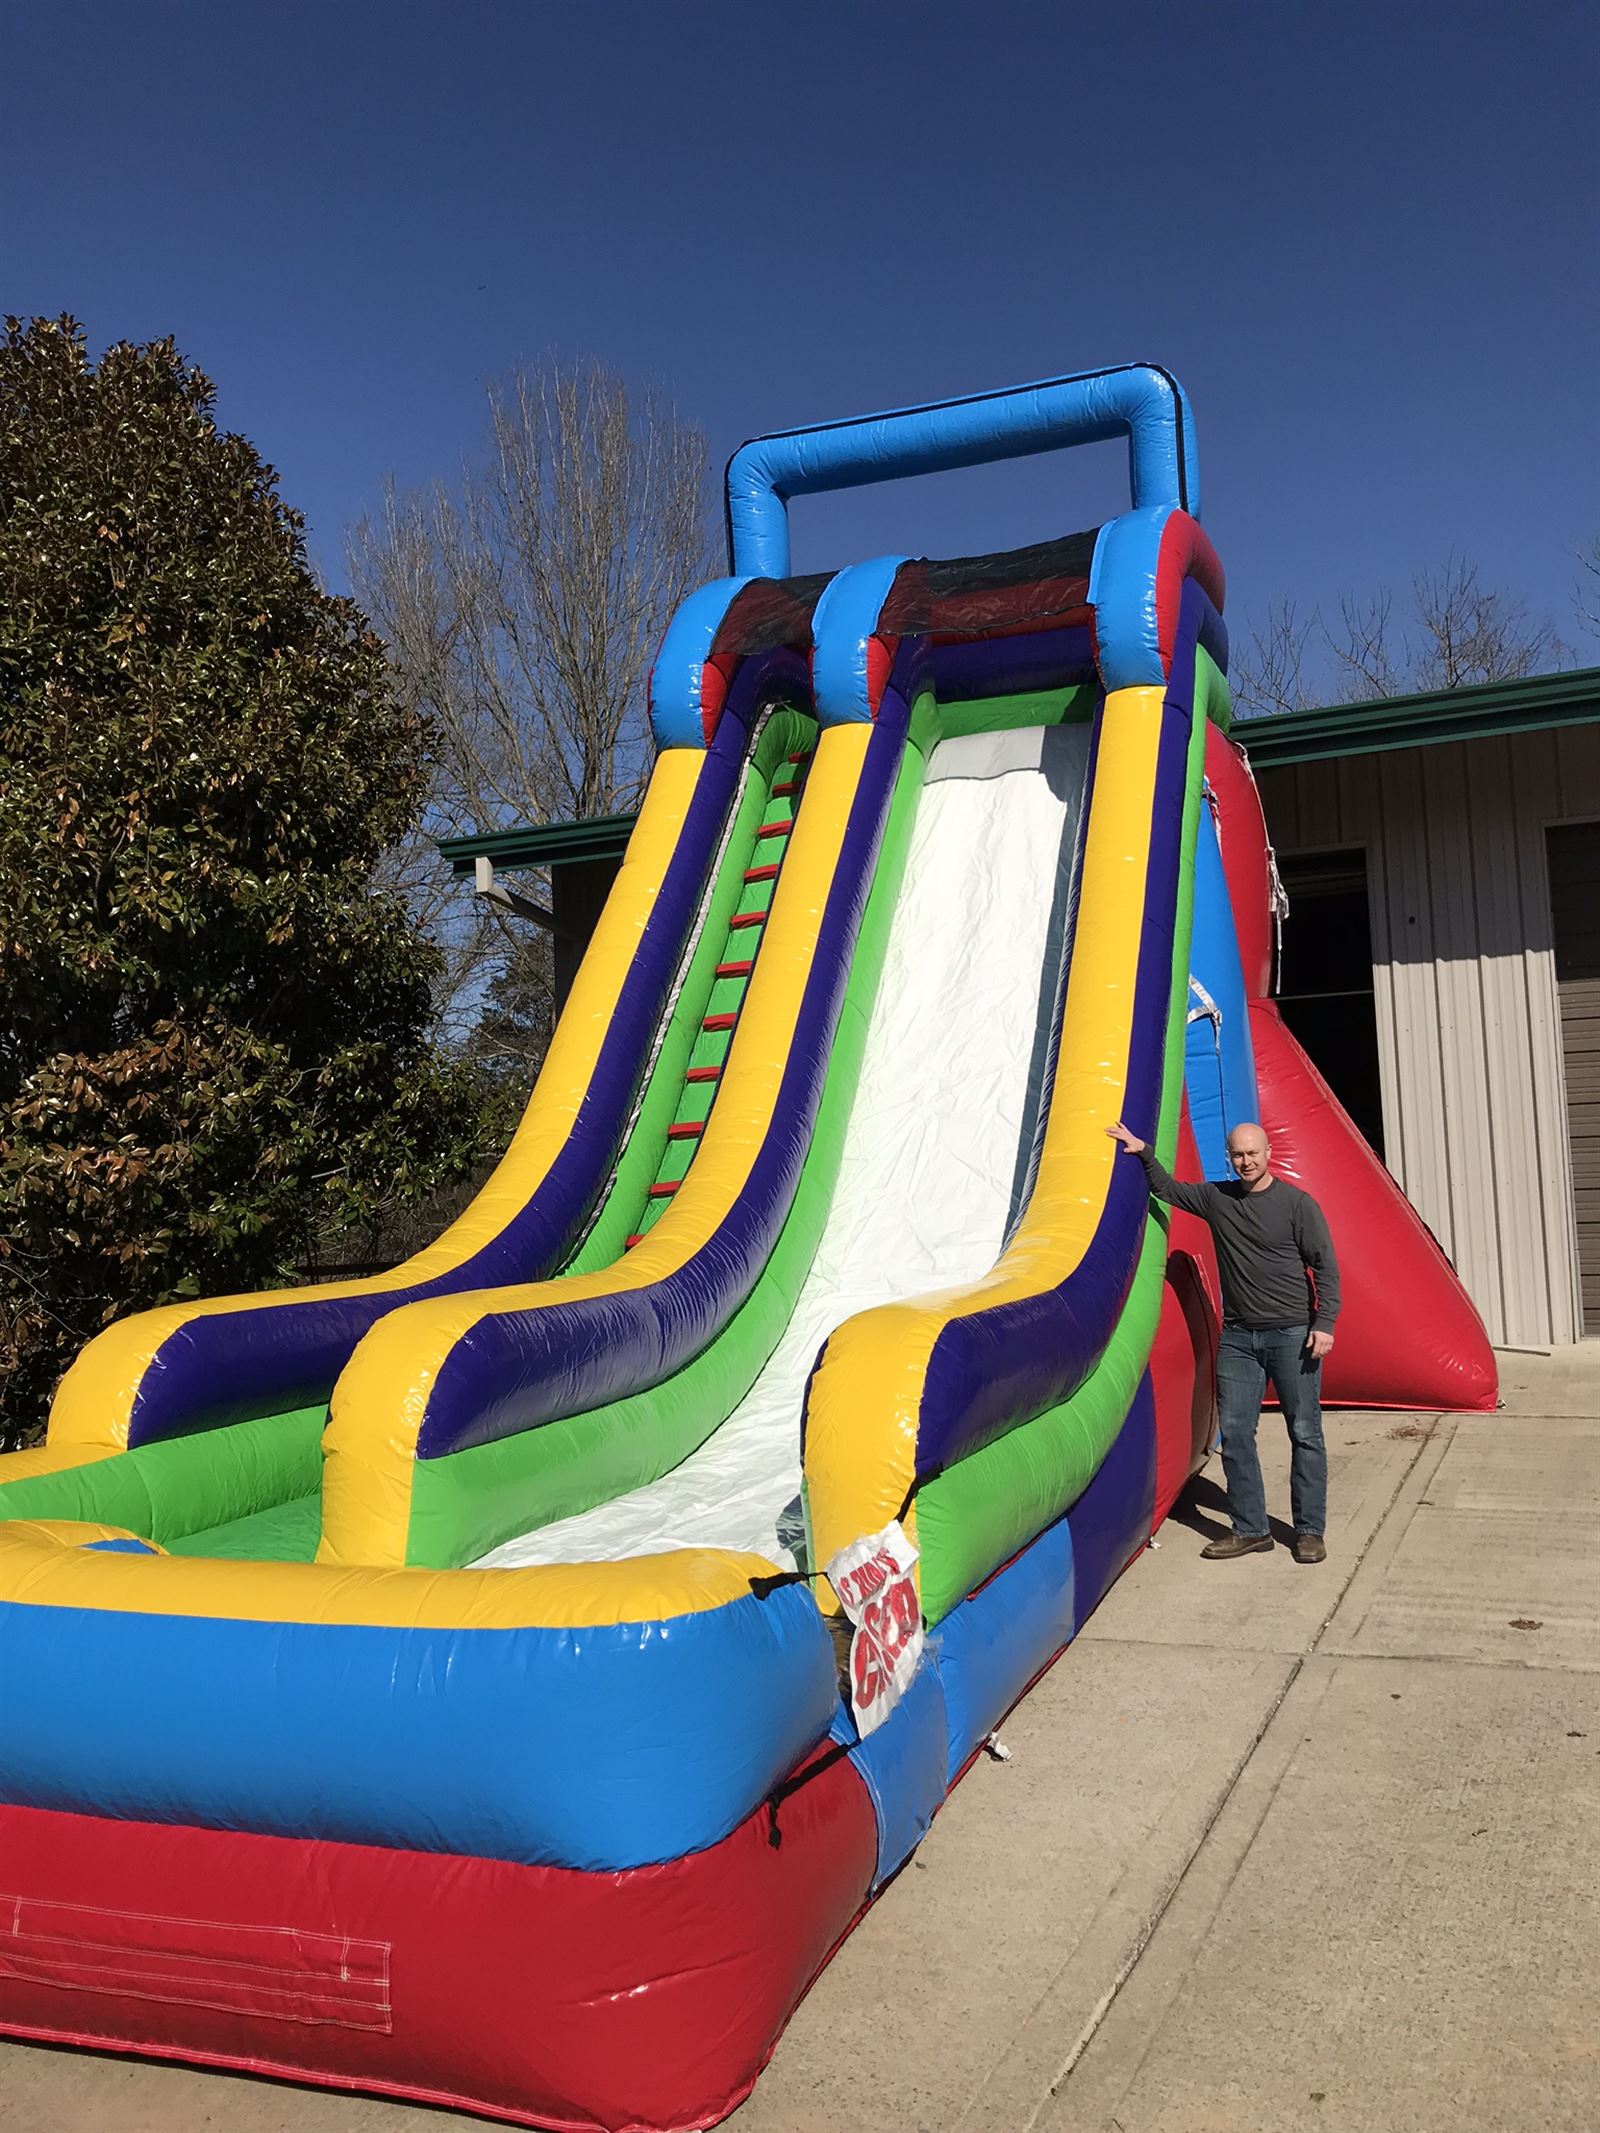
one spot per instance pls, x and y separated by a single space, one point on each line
1365 238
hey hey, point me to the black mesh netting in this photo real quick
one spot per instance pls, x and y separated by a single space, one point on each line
1045 586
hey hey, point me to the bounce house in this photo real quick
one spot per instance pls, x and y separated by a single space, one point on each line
505 1680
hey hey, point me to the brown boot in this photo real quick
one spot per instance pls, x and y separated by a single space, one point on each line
1224 1551
1308 1548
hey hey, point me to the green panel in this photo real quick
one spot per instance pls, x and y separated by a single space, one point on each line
710 1048
164 1492
979 1512
284 1533
1036 707
1219 697
471 1501
685 1043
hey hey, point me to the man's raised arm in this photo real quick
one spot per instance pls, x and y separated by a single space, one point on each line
1193 1199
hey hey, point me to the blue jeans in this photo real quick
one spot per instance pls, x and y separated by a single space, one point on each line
1246 1357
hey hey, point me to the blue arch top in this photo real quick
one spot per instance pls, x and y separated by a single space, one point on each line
1140 401
676 677
847 614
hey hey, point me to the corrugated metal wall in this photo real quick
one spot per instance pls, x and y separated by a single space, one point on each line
1468 1026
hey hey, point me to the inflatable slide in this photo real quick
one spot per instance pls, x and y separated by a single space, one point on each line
504 1681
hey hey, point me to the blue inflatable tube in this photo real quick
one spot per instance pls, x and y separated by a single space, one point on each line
1219 1070
1139 401
600 1748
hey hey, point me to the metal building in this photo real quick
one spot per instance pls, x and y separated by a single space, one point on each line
1441 963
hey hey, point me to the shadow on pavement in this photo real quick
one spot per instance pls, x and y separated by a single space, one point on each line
1203 1496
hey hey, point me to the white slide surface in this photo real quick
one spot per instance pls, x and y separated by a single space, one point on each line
935 1154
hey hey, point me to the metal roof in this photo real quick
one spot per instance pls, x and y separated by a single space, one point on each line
1468 714
550 844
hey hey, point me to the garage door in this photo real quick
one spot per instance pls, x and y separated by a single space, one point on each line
1575 909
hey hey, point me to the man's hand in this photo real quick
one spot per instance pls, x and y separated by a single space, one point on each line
1130 1141
1318 1344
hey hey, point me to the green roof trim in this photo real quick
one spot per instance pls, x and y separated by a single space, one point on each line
1467 714
550 844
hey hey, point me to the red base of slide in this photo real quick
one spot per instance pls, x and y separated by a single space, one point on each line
631 2002
1408 1336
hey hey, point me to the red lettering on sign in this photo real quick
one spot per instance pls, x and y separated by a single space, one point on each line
904 1602
868 1680
879 1591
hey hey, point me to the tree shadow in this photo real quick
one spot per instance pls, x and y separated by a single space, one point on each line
1203 1496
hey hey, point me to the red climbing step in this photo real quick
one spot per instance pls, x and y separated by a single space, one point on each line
734 970
768 873
665 1189
774 829
638 1237
704 1074
719 1021
746 918
689 1130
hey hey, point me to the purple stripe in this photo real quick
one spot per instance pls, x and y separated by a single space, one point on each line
992 1369
1011 666
1213 631
516 1369
232 1365
1110 1522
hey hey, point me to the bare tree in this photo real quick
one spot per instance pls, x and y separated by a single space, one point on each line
1459 634
522 607
1365 660
1586 594
1469 635
1266 672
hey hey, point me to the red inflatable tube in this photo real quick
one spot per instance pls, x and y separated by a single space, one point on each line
1184 553
631 2002
1183 1362
1246 857
1407 1335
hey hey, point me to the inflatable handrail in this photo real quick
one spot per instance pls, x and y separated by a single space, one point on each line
1140 401
183 1367
945 1375
454 1373
496 1713
162 1373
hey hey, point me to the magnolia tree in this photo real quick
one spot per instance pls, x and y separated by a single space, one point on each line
215 1031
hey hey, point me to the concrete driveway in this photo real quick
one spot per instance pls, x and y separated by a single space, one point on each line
1275 1846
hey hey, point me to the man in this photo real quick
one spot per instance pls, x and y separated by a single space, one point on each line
1270 1236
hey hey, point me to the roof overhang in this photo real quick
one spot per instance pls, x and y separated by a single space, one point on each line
1467 714
549 844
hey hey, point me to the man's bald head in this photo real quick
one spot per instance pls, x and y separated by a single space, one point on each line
1250 1153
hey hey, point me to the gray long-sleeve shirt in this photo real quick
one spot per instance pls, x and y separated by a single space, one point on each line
1267 1243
